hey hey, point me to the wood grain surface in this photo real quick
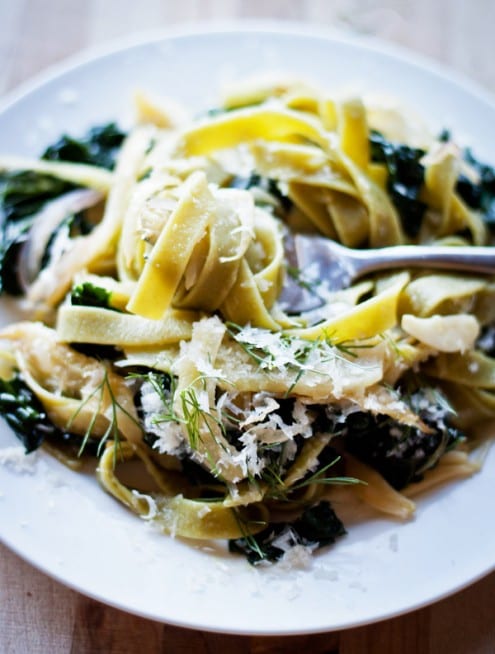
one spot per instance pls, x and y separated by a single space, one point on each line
38 614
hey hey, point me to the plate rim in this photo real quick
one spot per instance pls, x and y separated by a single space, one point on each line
187 29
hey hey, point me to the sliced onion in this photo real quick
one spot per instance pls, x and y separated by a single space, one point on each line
45 224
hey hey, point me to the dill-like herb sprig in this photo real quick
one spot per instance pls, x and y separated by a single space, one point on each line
184 407
319 477
112 432
249 539
277 489
295 353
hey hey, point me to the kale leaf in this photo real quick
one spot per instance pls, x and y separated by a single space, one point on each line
401 453
24 193
88 295
24 413
405 179
479 195
98 147
27 417
316 527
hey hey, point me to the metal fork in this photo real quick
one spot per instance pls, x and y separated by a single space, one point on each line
326 263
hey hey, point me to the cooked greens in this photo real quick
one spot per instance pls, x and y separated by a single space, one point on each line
23 194
316 527
98 147
89 295
28 419
401 453
405 179
481 194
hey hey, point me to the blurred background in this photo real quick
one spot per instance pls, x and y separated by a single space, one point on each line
37 33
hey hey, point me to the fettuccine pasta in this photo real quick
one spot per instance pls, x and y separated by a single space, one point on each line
160 332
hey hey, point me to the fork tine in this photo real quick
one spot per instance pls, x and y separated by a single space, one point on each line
325 260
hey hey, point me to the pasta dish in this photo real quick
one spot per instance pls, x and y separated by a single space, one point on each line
155 270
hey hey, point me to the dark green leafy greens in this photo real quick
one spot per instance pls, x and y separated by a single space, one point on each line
401 453
316 527
405 179
89 295
22 195
477 193
480 195
27 417
98 147
25 193
24 413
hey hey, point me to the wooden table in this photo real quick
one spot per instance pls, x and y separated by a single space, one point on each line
40 615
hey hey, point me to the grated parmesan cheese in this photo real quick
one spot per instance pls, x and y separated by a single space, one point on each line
170 438
296 556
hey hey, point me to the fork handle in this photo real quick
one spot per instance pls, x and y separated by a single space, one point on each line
471 259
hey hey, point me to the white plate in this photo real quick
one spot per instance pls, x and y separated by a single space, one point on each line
64 524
